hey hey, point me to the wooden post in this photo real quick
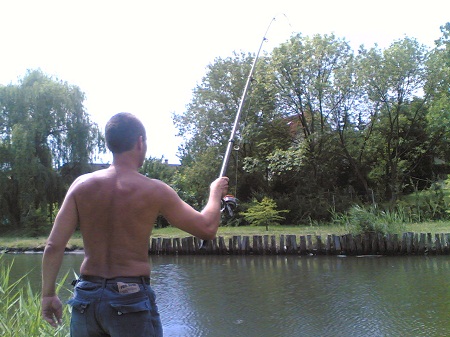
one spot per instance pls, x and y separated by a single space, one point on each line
302 249
158 245
395 244
445 243
437 241
153 246
167 246
282 245
245 245
235 245
273 245
409 242
193 244
337 244
222 246
367 247
320 246
291 244
328 245
343 241
351 246
421 247
389 245
266 248
176 246
309 246
381 244
359 244
256 247
374 243
416 244
429 244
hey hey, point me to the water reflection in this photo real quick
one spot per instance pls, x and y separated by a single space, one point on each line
296 296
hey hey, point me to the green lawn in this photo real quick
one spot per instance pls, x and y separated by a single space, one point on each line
17 241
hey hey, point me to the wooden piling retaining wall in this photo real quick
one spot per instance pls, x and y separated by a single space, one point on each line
366 244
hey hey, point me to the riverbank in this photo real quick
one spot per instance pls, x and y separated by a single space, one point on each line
418 238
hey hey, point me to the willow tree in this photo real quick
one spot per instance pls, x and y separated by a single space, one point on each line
44 132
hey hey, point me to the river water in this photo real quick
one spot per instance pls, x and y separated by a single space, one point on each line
223 296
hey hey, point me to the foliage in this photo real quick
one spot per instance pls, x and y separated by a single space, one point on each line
393 80
263 213
154 168
427 205
20 312
46 141
324 128
422 206
370 219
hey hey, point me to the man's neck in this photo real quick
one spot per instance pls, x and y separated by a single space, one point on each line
125 161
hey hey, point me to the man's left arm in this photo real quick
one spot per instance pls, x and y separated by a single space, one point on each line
63 228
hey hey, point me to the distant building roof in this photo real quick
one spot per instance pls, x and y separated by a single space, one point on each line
96 167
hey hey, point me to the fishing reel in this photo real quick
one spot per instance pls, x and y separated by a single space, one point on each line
229 205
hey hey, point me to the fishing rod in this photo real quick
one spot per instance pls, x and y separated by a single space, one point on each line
229 202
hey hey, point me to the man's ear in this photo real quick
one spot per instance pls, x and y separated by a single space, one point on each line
140 142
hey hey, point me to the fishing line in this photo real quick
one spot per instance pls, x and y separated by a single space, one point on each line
231 143
229 202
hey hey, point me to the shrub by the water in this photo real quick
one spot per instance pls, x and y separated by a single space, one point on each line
20 308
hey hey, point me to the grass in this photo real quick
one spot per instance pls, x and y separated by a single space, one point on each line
17 242
20 310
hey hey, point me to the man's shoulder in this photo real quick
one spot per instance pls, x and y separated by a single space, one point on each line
153 182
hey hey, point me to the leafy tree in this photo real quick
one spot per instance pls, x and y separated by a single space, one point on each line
44 130
393 80
154 168
322 128
438 87
207 123
264 213
315 93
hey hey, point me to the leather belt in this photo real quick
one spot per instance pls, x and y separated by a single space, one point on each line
125 279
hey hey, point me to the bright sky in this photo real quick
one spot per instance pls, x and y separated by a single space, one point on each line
146 57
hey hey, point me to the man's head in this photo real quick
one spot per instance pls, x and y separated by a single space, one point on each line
123 131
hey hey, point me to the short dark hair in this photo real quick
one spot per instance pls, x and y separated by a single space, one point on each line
122 132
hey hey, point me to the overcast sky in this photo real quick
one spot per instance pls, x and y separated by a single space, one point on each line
146 57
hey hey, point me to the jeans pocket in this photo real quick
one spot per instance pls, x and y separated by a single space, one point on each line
79 318
134 318
78 305
126 308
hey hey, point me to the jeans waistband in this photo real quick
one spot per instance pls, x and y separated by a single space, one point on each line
125 279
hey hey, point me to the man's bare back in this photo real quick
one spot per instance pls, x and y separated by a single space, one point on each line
117 209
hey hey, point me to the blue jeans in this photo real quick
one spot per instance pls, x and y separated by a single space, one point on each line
119 307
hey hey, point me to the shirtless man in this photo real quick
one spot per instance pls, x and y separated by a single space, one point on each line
115 209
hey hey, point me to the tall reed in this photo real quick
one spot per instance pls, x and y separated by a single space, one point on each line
20 308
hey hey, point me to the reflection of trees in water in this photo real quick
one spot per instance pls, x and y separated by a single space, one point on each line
289 295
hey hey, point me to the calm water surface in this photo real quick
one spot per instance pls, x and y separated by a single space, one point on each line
221 296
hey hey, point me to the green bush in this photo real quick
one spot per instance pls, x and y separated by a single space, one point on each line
360 219
431 204
263 213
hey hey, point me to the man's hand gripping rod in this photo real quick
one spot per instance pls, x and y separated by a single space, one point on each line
229 202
